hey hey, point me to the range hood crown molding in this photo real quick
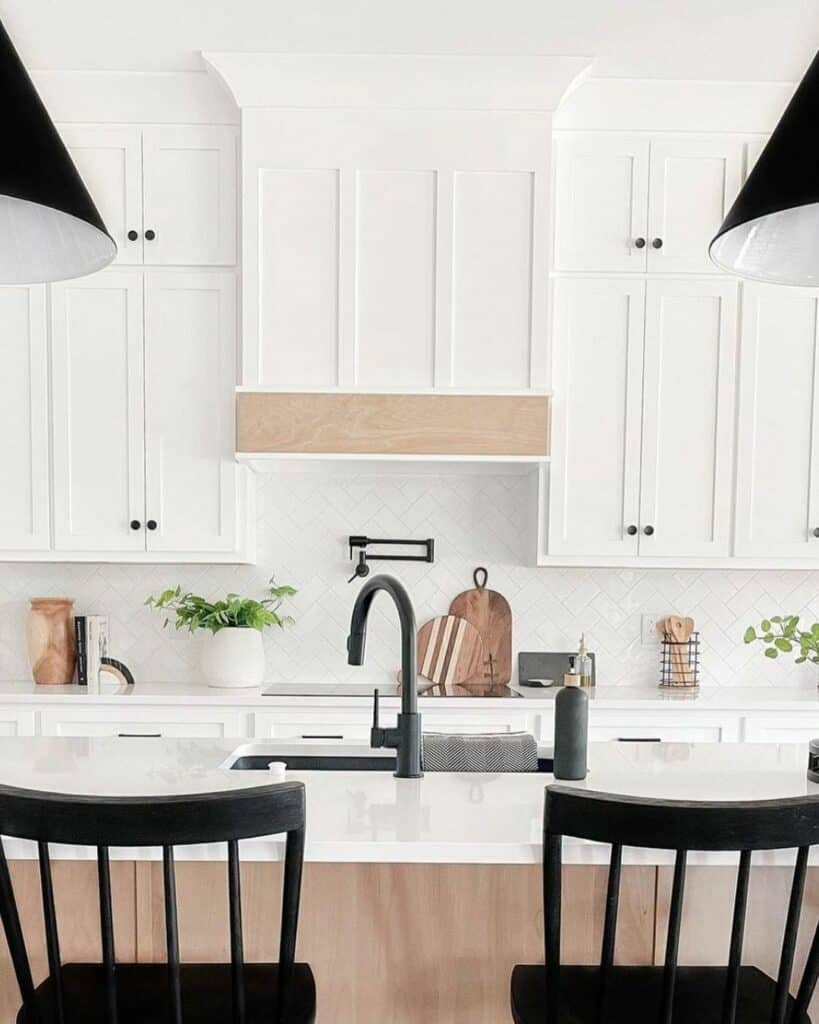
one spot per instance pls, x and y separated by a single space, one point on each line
328 80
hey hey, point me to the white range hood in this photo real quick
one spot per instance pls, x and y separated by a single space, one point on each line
395 252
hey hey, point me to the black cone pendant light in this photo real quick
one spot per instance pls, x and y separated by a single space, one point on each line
49 227
771 232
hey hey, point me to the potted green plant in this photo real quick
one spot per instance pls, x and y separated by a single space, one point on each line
233 654
781 634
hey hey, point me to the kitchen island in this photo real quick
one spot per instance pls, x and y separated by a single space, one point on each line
419 895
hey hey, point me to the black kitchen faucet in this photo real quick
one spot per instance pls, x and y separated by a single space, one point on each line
406 737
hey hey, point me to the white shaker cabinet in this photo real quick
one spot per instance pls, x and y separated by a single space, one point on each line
189 195
24 519
692 183
142 411
601 202
686 481
630 202
778 427
190 357
643 416
109 159
167 193
98 413
596 416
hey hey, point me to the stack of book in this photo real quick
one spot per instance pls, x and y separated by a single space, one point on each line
91 638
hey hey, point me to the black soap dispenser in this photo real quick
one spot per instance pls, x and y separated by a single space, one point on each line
571 729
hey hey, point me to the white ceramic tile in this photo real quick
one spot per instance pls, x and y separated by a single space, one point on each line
304 520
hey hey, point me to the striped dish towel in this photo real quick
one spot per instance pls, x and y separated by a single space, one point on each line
491 752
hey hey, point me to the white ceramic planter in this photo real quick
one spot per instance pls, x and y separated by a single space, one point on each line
233 657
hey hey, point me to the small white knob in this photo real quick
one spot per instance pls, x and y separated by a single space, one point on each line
277 769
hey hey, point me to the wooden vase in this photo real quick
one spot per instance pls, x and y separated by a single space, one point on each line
50 635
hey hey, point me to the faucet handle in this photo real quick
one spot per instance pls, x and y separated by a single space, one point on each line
377 734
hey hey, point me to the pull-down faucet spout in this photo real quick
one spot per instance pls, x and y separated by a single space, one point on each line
406 737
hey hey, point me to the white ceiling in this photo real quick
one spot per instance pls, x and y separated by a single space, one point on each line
759 40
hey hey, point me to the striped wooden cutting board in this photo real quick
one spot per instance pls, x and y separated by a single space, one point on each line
450 651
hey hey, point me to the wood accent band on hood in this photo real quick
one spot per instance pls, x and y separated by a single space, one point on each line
361 424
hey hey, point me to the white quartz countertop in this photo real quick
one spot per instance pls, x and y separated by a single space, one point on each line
722 698
374 817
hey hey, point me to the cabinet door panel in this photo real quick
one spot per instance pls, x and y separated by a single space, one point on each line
190 369
298 277
693 182
24 419
492 280
395 298
688 417
143 723
189 183
595 473
778 427
601 202
98 417
317 725
109 158
395 250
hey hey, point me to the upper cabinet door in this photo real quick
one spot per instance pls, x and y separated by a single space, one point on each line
686 482
189 195
596 411
601 203
778 444
693 183
24 420
395 250
109 158
190 369
97 413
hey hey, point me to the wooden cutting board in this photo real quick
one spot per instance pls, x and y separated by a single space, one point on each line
450 651
490 614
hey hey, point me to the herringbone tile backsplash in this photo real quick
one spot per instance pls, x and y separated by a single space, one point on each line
304 520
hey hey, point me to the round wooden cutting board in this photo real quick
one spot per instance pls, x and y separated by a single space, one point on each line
450 651
490 614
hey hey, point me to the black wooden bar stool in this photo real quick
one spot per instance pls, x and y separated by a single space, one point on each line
121 993
684 995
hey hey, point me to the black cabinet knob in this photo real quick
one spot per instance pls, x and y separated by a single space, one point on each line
816 531
135 524
648 530
639 243
631 530
657 243
150 234
151 524
133 235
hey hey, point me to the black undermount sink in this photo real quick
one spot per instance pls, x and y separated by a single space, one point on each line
333 762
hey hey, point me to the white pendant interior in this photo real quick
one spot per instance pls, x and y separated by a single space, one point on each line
781 247
39 243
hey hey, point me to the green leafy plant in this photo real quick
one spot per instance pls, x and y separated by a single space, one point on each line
781 634
194 612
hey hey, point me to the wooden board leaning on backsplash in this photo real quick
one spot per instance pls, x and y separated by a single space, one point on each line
363 424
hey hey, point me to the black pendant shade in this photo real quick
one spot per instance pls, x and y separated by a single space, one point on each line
771 232
49 227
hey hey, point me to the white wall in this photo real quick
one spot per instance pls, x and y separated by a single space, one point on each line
743 40
476 520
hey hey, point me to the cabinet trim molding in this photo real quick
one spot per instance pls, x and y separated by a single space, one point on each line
432 81
390 424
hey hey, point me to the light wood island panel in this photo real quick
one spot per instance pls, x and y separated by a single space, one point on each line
407 943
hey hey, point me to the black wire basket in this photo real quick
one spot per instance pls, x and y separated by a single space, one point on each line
680 662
